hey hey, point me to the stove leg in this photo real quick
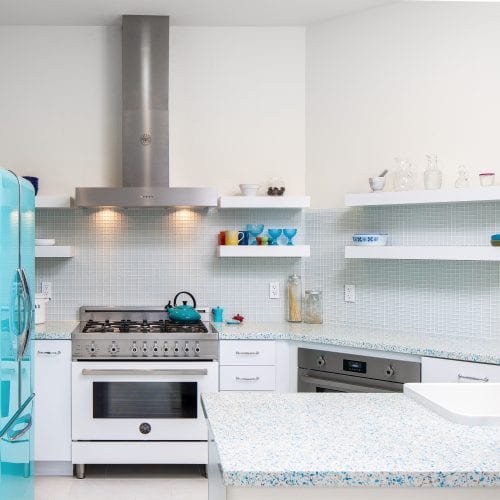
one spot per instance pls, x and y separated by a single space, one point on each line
80 471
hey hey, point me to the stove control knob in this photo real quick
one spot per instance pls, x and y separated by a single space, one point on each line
92 348
134 348
389 371
197 348
176 348
113 348
186 348
155 347
321 361
165 348
144 347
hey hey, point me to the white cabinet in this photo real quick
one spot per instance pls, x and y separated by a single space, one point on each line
247 378
449 370
247 352
247 365
53 406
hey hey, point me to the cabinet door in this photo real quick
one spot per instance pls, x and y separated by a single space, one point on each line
247 352
449 370
53 400
247 378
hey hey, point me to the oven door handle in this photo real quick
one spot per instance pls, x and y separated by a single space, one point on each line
138 371
340 386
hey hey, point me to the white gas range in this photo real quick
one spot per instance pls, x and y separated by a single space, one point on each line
136 384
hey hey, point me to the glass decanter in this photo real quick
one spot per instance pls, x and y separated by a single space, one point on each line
433 177
404 177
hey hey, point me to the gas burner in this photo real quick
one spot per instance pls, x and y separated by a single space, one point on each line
144 326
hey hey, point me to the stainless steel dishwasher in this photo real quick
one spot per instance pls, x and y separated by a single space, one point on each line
325 371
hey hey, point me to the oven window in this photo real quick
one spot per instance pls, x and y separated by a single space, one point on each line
145 400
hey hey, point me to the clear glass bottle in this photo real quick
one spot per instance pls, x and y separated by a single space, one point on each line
463 177
313 307
294 289
404 177
433 177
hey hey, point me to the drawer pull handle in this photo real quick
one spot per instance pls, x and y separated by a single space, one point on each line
247 379
479 379
49 353
247 353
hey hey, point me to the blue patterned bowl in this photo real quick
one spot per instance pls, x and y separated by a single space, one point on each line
369 239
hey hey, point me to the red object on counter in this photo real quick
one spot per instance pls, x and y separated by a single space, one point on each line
222 238
239 318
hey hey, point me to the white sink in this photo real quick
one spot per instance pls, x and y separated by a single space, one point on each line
469 404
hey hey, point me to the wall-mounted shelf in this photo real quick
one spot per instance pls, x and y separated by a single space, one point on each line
423 197
470 253
264 251
293 202
54 251
53 202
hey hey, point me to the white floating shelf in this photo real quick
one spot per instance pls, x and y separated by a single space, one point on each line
488 253
423 197
53 202
54 251
265 202
264 251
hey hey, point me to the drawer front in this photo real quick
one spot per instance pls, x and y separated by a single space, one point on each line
247 378
247 352
448 370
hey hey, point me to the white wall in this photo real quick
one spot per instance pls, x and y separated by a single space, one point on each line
405 79
237 106
60 105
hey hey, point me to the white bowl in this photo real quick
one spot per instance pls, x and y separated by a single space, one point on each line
370 239
249 189
377 183
47 242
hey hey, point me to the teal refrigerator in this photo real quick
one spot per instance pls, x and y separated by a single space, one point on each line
17 270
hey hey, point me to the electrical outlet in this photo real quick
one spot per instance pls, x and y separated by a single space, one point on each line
47 289
349 293
274 290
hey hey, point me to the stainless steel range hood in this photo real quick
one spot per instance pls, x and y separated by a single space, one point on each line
145 139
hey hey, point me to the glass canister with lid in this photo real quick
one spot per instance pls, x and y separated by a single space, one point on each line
313 307
294 287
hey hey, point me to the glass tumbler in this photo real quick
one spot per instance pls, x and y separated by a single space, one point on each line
313 307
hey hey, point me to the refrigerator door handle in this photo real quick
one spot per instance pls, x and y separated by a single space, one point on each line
28 313
13 435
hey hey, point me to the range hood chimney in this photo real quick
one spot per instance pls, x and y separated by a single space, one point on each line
145 139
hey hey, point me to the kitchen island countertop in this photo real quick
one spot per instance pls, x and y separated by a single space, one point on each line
346 440
480 350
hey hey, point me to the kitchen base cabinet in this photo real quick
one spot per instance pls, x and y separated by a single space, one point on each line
53 407
452 371
247 365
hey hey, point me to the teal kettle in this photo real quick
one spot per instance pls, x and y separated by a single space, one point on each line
183 313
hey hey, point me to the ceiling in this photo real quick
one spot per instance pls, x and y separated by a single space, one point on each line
182 12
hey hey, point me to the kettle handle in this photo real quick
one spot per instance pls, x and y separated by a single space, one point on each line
187 293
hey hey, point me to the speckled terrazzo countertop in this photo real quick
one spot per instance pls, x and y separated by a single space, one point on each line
55 330
346 440
438 346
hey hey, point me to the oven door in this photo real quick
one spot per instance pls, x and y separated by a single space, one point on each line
320 381
130 401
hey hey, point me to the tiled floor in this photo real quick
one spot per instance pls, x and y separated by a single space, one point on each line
126 482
